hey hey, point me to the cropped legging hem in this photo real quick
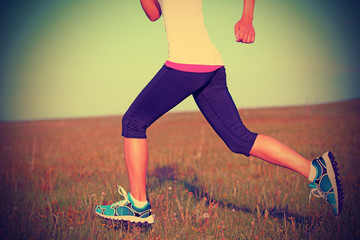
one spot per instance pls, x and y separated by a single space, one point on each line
169 87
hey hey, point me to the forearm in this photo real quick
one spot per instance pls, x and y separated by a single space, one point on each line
244 30
248 11
152 9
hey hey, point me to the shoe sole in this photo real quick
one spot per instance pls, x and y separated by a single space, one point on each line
333 174
149 220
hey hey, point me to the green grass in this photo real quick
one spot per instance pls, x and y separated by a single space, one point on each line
53 174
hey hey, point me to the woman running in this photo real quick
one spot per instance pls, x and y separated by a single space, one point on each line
195 67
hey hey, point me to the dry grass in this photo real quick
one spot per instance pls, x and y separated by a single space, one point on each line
53 173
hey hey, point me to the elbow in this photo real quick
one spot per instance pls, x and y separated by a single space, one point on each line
152 9
154 15
154 18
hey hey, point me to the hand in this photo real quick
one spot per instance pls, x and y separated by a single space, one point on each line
244 31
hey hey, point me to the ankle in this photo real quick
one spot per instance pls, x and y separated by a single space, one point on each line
137 203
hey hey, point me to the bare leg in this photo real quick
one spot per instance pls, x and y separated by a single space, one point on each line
136 157
273 151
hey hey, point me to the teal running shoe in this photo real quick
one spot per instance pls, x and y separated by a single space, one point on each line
125 210
326 184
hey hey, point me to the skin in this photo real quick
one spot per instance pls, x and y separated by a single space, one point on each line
152 9
265 147
244 30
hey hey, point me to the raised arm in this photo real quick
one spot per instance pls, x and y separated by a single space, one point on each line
244 30
152 9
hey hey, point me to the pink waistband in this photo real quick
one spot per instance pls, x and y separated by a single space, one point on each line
196 68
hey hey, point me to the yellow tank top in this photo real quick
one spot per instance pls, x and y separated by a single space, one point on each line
188 39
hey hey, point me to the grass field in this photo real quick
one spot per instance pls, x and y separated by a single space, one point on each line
53 174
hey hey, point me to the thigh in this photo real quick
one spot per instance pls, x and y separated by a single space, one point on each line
218 107
167 89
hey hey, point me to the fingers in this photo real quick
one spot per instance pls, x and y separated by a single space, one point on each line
244 33
247 37
238 34
252 39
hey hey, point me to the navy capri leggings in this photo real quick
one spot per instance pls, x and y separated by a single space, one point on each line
170 86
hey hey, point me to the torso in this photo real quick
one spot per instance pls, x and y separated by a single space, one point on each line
188 39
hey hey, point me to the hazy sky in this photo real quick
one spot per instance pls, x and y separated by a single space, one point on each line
88 58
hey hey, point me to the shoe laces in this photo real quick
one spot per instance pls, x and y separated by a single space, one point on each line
123 193
317 193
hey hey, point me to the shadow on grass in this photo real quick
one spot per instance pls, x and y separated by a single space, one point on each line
168 173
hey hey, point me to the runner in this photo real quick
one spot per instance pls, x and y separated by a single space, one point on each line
195 67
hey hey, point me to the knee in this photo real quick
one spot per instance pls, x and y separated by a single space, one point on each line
243 144
237 148
133 127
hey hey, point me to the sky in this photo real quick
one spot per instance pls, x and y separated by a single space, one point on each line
67 59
